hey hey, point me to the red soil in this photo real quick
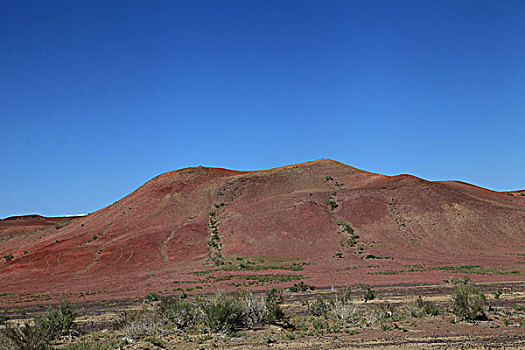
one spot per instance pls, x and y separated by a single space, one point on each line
159 234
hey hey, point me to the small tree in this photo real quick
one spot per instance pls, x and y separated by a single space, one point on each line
468 303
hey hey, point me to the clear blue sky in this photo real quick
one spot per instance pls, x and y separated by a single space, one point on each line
97 97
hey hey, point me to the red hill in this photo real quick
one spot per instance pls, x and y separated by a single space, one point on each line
294 220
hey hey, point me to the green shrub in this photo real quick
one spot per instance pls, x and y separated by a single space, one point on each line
150 297
179 312
58 322
300 287
333 204
421 308
274 299
368 292
497 293
221 313
318 307
9 257
243 309
3 319
24 337
468 303
45 328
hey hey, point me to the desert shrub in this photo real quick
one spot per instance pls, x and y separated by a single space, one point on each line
24 337
380 312
45 328
341 307
221 313
58 322
468 303
124 317
497 293
253 309
143 327
140 323
368 292
243 309
420 308
318 307
178 311
344 295
333 204
150 297
344 311
274 299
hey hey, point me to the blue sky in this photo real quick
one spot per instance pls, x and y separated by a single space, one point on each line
97 97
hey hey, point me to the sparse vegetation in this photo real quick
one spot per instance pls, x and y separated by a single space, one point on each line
173 321
9 257
214 243
300 287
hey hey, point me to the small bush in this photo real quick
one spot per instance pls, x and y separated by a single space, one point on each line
253 309
381 312
150 297
497 293
45 328
421 308
318 307
9 257
274 299
333 204
468 303
179 312
142 327
344 295
140 323
341 307
221 313
24 337
368 292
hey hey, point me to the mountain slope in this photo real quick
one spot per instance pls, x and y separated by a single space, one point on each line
166 231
